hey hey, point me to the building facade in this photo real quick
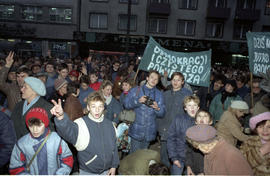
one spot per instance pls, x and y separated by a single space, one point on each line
32 27
179 25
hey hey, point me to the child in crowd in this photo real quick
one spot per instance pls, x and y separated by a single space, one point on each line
194 157
40 152
176 142
97 154
94 84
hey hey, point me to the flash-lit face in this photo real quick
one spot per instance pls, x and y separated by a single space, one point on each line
126 86
20 78
264 131
96 108
107 91
177 82
36 130
152 80
191 108
203 118
63 73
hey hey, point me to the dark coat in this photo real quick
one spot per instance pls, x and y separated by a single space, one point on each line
7 138
19 119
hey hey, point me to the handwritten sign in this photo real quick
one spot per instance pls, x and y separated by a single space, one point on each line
195 66
259 51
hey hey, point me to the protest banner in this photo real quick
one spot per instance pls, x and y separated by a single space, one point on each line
258 51
195 66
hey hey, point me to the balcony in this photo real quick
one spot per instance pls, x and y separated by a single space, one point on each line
160 9
218 13
247 14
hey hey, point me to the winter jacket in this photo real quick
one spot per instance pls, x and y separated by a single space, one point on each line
176 142
230 128
18 117
7 138
54 158
144 127
11 90
217 108
173 101
84 94
95 141
251 151
114 107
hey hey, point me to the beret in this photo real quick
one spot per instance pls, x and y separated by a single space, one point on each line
201 133
258 118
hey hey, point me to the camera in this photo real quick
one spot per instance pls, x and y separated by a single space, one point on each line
148 101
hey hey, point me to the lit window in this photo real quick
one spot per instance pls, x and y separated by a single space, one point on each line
99 21
62 15
186 27
7 12
30 13
157 25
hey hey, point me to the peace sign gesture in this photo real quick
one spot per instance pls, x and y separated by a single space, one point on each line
57 110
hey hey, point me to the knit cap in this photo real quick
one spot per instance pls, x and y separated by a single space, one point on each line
238 104
38 113
201 133
36 85
58 83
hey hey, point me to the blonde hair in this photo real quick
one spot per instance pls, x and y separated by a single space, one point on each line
191 98
95 96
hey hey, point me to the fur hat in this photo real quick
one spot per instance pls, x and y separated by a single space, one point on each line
38 113
257 119
59 82
232 83
36 85
201 133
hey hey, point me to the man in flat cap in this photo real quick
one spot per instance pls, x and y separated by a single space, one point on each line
32 91
220 157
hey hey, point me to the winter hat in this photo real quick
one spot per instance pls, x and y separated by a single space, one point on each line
38 113
201 133
74 73
257 119
59 82
36 85
239 104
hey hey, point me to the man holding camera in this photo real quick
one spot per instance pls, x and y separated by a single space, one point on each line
147 103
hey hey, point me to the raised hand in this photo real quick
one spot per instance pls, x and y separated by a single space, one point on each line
9 59
57 110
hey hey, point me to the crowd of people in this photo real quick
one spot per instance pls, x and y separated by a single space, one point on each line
98 115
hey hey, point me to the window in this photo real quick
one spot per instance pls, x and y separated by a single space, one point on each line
31 13
157 25
267 7
186 27
218 3
7 12
188 4
98 21
246 4
62 15
214 29
160 1
123 20
126 1
240 30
